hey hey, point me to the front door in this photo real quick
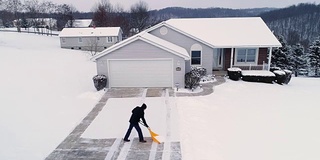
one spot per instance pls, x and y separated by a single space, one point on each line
220 58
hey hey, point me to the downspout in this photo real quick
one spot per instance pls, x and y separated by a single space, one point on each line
231 60
269 59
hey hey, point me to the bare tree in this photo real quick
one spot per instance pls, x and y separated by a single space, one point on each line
94 45
49 8
102 16
14 6
139 16
66 15
32 7
6 16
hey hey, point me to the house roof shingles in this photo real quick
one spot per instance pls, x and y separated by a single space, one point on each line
227 32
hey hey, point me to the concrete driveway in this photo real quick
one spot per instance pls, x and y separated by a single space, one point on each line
74 147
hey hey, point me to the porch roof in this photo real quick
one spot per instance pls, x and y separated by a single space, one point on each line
227 32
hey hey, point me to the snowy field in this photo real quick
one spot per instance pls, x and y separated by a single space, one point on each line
46 91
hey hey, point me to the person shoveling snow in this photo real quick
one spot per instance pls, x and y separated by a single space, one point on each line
137 114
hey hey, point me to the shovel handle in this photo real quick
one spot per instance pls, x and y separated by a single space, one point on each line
142 124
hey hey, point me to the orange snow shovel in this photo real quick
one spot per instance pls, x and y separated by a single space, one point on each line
153 135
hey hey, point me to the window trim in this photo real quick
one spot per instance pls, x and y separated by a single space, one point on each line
196 57
246 63
196 47
80 40
63 40
111 39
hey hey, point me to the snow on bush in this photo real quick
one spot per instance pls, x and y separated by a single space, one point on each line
234 73
192 78
207 78
274 68
288 76
280 76
283 76
234 69
100 82
279 72
258 76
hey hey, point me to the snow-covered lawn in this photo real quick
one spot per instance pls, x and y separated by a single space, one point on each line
46 91
245 120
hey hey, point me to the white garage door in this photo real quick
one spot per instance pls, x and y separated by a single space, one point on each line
140 73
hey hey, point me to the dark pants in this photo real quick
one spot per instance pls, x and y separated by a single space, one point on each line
137 127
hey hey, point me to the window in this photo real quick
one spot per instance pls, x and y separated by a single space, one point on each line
80 40
246 55
63 40
195 57
109 39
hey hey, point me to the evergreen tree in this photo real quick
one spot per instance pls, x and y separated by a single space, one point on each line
279 56
297 58
314 56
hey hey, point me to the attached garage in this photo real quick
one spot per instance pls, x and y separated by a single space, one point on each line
143 60
140 73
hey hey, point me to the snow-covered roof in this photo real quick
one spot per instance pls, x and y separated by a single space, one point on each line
226 32
148 38
88 32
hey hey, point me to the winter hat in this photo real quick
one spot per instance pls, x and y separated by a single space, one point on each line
144 106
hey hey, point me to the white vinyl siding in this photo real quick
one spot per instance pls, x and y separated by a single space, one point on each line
140 73
63 40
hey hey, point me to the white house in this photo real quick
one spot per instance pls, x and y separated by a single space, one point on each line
91 39
161 55
79 23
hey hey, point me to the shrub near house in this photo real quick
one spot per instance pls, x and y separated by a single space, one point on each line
274 75
192 78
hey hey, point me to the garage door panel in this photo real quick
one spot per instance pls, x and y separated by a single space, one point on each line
140 73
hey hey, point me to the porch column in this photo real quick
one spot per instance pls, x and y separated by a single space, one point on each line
231 60
269 59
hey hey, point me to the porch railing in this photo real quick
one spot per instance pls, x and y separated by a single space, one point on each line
264 66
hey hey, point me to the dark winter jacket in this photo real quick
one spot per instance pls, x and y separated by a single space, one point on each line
137 114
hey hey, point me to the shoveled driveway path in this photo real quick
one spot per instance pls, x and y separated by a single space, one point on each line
74 147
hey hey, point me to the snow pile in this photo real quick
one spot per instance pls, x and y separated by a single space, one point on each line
261 73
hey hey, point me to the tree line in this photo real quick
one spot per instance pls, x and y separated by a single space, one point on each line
297 23
296 58
104 14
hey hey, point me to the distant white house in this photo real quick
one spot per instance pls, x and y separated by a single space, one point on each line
90 39
79 23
